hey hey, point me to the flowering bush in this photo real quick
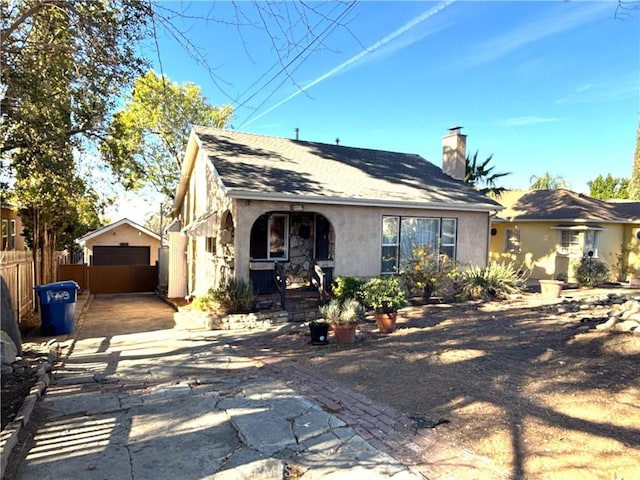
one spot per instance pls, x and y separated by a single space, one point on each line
425 270
384 294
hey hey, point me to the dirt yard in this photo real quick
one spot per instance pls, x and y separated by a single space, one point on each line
536 389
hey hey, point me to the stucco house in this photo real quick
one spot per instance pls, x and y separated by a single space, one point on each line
549 231
246 201
12 238
120 243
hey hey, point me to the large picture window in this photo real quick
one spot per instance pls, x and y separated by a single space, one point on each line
270 237
512 240
402 235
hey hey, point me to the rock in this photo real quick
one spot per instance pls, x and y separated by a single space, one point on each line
627 326
8 321
8 349
608 324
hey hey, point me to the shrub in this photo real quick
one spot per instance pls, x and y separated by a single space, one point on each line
352 312
339 313
345 287
384 294
202 303
331 311
591 271
425 271
235 296
497 280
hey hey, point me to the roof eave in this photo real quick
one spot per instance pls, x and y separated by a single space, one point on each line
239 194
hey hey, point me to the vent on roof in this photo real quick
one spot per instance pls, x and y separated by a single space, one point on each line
297 130
337 141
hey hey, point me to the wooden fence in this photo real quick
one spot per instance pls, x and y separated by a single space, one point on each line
111 278
16 268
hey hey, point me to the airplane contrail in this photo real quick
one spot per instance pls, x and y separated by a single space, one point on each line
380 43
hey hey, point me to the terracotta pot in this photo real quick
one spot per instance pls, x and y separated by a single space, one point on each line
550 288
344 333
386 322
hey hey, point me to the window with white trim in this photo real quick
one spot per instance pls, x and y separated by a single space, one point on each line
402 235
270 237
5 234
512 240
570 243
591 242
12 235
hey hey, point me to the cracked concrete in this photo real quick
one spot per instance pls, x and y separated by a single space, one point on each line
174 403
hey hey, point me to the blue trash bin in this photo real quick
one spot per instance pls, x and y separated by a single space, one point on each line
57 307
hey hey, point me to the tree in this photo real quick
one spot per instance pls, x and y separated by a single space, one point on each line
99 42
634 183
479 174
547 181
148 136
605 188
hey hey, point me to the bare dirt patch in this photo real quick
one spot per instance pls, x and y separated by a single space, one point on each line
535 389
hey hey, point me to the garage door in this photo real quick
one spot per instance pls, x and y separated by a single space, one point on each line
121 255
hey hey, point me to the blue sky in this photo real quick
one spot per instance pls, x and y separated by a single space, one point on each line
542 86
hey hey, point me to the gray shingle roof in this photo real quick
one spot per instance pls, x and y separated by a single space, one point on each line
249 163
564 205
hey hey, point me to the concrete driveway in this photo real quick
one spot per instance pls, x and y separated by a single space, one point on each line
139 399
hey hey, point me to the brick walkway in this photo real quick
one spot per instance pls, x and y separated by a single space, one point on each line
382 426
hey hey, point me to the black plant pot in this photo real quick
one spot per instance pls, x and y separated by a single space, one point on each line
319 333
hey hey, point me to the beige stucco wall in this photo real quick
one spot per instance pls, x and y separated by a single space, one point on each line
540 244
631 233
358 234
123 234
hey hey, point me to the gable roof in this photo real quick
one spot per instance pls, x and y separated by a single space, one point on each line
260 167
564 205
124 221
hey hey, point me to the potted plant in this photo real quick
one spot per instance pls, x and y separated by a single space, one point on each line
343 317
319 330
386 297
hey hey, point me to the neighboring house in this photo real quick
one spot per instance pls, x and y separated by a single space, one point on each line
547 232
12 238
121 243
247 201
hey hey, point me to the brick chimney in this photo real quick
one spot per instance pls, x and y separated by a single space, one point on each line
454 152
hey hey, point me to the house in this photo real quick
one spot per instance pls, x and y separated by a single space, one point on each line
12 238
549 231
247 202
121 243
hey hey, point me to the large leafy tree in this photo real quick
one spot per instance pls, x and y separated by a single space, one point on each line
634 183
148 137
547 181
482 176
605 188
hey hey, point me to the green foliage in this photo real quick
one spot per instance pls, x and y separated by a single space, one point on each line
384 294
480 174
496 280
345 286
203 303
343 313
148 137
621 266
425 271
331 311
235 296
591 271
547 181
352 312
605 188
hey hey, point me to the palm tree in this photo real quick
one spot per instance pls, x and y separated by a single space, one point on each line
547 182
480 174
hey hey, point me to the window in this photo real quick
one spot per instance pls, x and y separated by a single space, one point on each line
512 240
401 235
570 242
211 245
270 237
591 242
12 234
5 234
